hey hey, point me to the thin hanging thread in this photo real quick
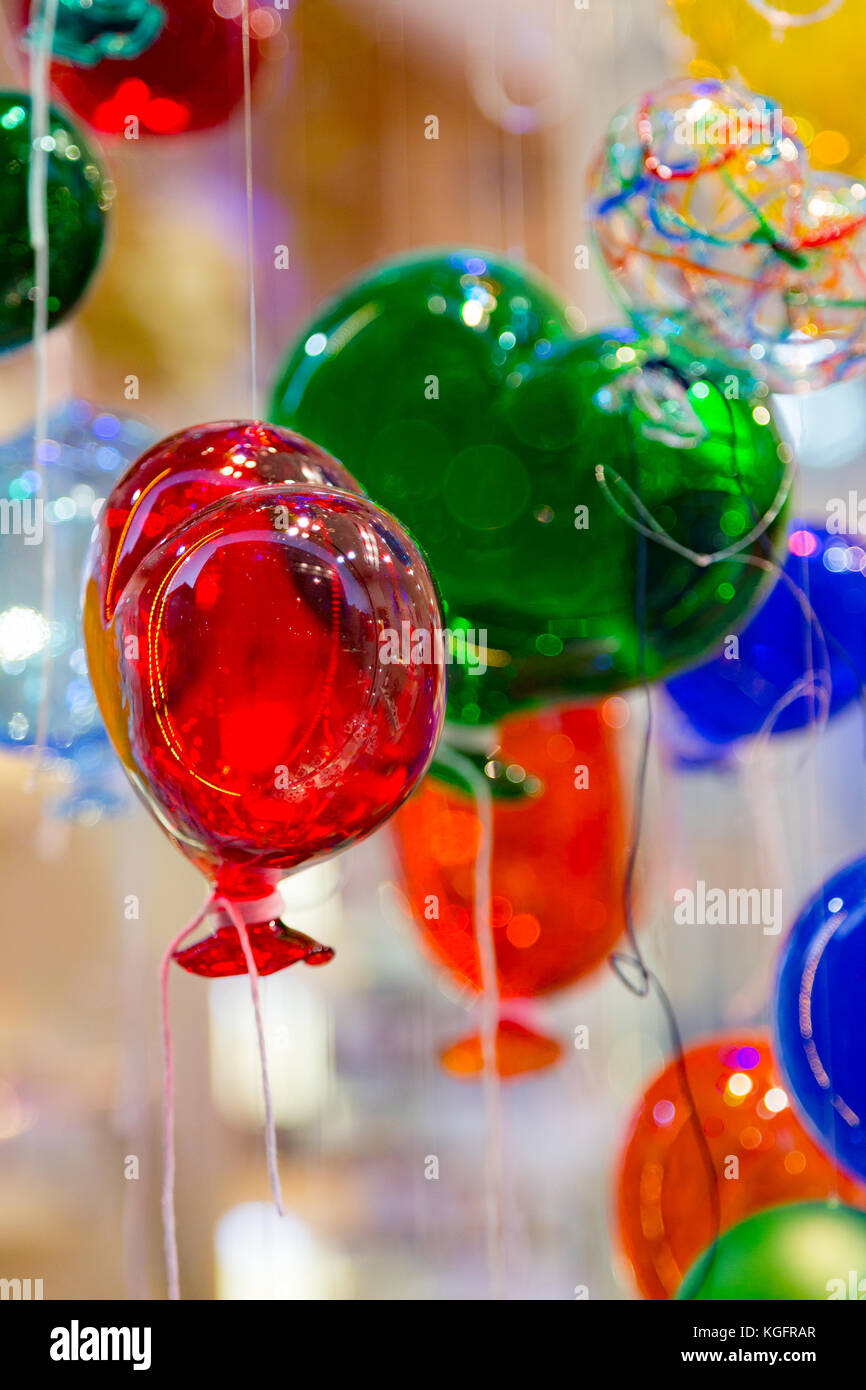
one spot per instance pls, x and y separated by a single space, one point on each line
816 685
270 1126
621 962
135 1110
248 159
511 148
649 529
812 684
654 531
815 828
237 919
494 1197
169 1225
37 211
809 684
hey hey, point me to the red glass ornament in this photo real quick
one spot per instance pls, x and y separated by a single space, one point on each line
557 870
235 650
190 78
665 1196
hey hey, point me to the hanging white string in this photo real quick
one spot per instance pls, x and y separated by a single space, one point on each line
237 919
654 531
817 723
129 864
248 158
37 210
815 683
494 1204
270 1127
169 1224
513 175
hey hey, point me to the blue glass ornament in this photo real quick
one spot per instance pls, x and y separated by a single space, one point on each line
85 452
733 696
819 1016
86 31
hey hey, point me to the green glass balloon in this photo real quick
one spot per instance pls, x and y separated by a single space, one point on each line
453 387
810 1250
78 196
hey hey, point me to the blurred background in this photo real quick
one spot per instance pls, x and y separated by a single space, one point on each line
523 91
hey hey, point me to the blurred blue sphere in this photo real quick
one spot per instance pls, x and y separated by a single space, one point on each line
85 451
819 1016
734 695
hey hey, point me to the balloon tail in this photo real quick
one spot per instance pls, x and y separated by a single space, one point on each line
519 1050
274 947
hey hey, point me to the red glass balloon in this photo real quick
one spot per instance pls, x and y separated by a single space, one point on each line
236 653
761 1157
190 78
557 869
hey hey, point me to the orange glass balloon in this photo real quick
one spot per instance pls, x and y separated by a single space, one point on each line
761 1157
558 861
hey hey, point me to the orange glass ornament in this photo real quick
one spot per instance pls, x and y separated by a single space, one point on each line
761 1155
556 877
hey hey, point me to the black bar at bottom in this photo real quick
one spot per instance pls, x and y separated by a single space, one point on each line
82 1339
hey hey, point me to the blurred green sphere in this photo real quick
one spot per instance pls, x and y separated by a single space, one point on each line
811 1250
78 196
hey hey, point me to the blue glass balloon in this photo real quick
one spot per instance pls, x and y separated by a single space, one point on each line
820 1016
732 697
84 453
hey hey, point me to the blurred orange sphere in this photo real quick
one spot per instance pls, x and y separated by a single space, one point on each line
761 1157
557 865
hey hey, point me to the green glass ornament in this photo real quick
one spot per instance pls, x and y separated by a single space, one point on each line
454 388
807 1251
79 196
